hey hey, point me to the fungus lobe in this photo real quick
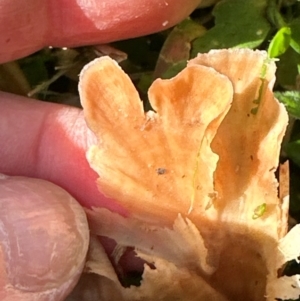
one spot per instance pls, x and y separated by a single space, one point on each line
217 123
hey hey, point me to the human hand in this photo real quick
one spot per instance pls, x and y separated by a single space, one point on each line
27 28
43 231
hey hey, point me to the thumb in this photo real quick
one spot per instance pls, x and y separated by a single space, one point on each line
44 239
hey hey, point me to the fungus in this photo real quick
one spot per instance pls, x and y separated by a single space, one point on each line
220 231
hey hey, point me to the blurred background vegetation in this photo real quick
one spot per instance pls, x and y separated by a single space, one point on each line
52 74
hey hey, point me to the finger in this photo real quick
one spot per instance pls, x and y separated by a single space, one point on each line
49 141
44 239
27 27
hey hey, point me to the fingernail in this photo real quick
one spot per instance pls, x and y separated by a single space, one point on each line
44 238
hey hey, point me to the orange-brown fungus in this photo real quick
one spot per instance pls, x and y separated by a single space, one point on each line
196 176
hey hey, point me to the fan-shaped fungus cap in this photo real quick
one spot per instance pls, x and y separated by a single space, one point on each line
196 176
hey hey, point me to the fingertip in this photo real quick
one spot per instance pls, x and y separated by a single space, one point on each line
64 23
84 22
44 240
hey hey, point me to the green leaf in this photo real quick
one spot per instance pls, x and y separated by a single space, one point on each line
287 69
238 24
145 82
177 47
174 69
293 151
291 100
280 42
295 38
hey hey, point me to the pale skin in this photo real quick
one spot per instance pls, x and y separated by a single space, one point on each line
49 141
